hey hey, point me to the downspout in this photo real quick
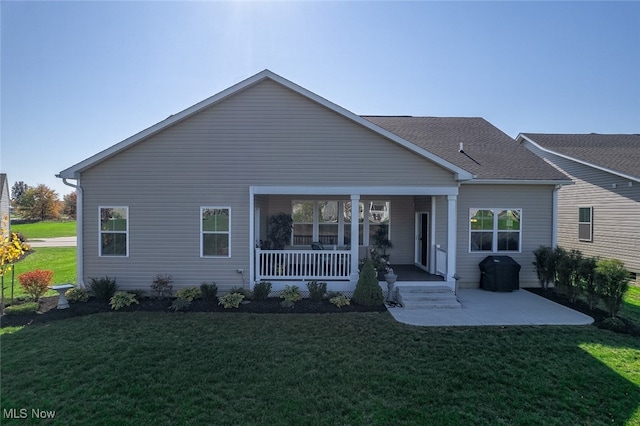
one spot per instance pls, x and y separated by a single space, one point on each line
79 243
554 217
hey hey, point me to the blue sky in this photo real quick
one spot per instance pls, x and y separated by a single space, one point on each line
78 77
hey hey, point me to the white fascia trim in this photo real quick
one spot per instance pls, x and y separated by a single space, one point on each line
522 137
517 182
349 190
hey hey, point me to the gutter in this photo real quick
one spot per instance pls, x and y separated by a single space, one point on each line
80 243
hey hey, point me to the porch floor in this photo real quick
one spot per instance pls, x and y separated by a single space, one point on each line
413 273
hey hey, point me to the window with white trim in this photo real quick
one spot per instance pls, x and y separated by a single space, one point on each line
329 222
495 230
114 231
585 224
215 229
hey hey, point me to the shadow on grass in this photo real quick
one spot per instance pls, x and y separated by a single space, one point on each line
356 368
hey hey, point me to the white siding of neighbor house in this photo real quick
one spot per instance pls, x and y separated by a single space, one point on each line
265 135
536 202
616 211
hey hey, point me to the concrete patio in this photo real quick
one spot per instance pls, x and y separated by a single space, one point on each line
482 308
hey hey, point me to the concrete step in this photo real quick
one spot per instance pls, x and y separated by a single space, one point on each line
413 297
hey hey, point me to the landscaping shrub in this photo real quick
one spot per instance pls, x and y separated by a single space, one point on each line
23 309
567 264
122 299
317 289
162 286
36 283
340 300
261 290
614 324
612 281
545 265
368 291
77 295
290 294
208 291
587 274
184 298
231 300
103 288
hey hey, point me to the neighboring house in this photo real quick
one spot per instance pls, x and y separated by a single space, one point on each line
5 203
600 214
192 195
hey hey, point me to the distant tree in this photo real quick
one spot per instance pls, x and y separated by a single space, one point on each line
70 204
17 191
39 203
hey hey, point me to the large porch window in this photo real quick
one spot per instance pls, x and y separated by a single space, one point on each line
329 222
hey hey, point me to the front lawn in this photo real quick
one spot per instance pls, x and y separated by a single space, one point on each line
61 260
46 229
356 368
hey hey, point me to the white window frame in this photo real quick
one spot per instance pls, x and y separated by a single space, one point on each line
365 204
494 231
590 223
101 232
203 232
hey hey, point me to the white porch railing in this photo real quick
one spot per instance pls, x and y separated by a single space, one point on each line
303 264
441 261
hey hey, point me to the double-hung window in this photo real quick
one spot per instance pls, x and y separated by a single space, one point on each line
114 231
585 224
215 229
495 230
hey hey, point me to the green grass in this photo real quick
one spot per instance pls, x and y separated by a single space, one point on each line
631 305
61 260
46 229
355 369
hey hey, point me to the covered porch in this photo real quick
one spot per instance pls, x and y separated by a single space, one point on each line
421 225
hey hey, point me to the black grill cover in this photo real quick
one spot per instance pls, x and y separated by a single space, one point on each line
499 273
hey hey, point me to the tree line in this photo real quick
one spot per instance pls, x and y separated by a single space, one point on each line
41 202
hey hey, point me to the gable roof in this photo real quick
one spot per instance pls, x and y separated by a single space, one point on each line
486 151
614 153
73 172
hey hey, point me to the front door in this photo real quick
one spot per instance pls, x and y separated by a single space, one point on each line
422 239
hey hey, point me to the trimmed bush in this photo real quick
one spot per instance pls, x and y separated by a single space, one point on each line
368 291
612 281
103 288
261 290
36 283
208 291
317 290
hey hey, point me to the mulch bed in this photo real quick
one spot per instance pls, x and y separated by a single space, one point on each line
48 309
600 317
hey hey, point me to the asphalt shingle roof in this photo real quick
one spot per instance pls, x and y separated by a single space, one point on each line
620 153
487 151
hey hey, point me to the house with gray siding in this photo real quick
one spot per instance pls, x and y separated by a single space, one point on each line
192 196
600 214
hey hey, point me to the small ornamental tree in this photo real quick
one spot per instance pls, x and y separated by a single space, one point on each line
368 291
11 250
612 281
36 283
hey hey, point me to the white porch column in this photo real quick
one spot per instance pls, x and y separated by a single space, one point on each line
355 213
452 248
